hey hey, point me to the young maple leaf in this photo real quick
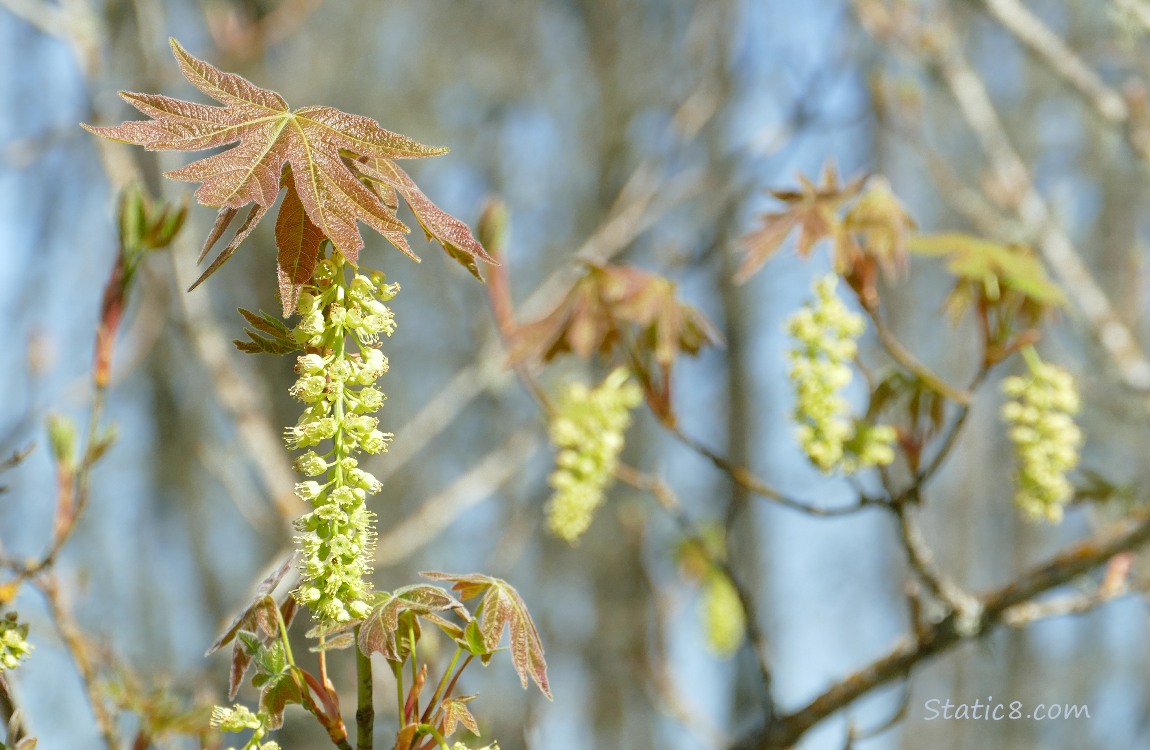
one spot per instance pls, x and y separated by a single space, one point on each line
321 156
608 300
503 609
813 209
615 305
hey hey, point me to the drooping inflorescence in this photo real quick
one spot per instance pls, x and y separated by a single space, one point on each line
724 620
587 427
340 323
825 335
14 645
1046 439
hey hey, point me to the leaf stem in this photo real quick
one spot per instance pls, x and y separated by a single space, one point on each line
397 670
284 636
365 711
458 674
428 729
908 361
414 668
442 682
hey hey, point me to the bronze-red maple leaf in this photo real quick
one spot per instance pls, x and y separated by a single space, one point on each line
813 209
337 169
608 299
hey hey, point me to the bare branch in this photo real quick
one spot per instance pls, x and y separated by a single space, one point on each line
1058 57
1073 562
744 478
979 111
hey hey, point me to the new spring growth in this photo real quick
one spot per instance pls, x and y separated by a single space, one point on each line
241 718
587 427
340 323
1046 439
14 645
724 621
825 335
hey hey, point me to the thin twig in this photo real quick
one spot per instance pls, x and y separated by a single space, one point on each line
921 560
670 503
908 361
748 481
1058 57
80 651
1064 567
978 110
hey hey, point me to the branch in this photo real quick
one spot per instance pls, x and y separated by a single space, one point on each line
78 648
979 111
1138 10
995 607
744 478
908 361
670 503
1048 47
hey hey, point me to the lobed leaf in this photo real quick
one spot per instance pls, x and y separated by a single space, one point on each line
813 209
299 243
310 152
605 303
503 609
377 633
977 259
455 712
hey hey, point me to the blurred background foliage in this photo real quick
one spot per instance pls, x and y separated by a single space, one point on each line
639 129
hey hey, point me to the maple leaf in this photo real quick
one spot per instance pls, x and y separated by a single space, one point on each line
503 608
322 156
591 318
259 621
455 712
377 634
813 209
607 304
998 274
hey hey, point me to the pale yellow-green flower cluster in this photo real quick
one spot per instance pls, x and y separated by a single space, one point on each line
240 718
1046 439
724 621
587 427
825 335
340 324
14 645
461 746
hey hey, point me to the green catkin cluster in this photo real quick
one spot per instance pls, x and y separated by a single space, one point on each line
724 621
825 336
587 427
14 645
340 323
239 719
1046 439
